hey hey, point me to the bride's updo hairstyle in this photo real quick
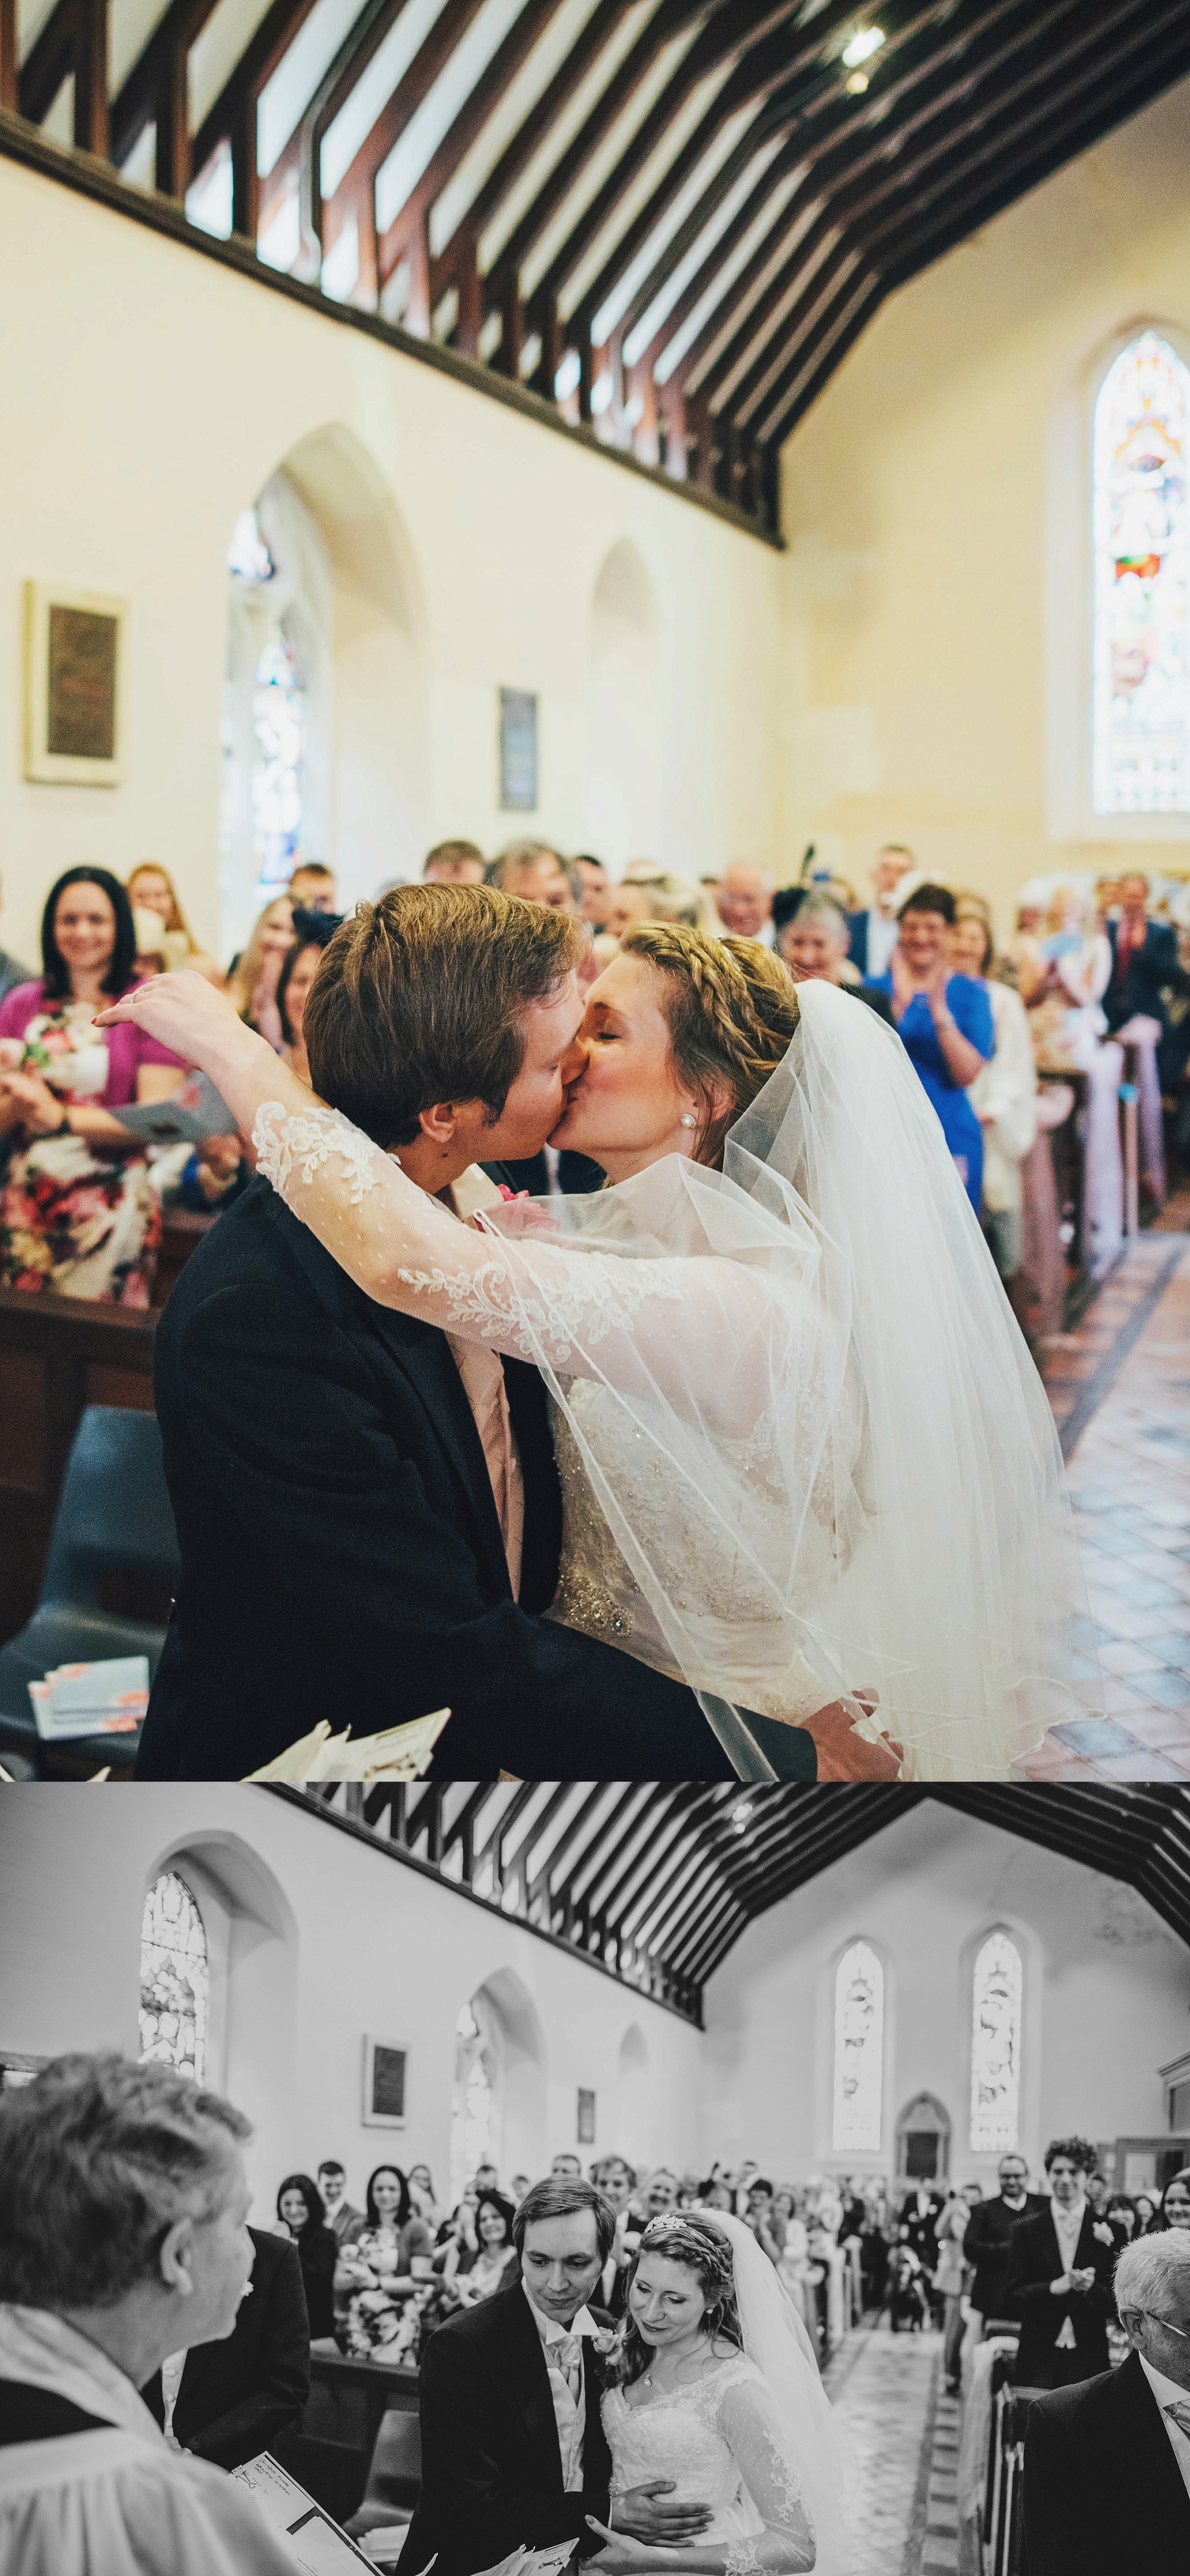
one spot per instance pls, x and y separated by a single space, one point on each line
732 1009
685 2237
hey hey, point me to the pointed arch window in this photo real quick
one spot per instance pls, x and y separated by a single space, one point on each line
1141 714
859 2048
472 2103
174 1977
996 2008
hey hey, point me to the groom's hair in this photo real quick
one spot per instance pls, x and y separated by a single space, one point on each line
421 997
558 2197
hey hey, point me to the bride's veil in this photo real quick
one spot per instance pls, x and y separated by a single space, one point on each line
775 2338
826 1459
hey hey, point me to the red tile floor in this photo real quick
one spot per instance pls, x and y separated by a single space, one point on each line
1120 1389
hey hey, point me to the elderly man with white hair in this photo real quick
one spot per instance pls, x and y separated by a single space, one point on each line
122 2240
1107 2463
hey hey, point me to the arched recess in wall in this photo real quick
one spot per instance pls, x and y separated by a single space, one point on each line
251 1937
499 2106
624 749
633 2132
923 2140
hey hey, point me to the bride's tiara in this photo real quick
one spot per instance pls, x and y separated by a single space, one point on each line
711 2242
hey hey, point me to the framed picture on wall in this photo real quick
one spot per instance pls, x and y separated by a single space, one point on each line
518 751
74 686
586 2118
385 2062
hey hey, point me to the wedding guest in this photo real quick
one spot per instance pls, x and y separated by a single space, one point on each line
381 2268
744 901
520 2184
1004 1095
874 932
227 2401
596 889
920 2212
252 983
668 898
758 2215
78 1214
301 2211
422 2194
312 887
616 2179
626 905
985 2244
454 863
1146 2213
151 889
566 2163
1060 2265
1107 2463
813 944
661 2192
1146 974
345 2221
313 931
715 2193
949 2276
493 2265
945 1022
124 2197
12 973
1120 2214
1173 2208
534 871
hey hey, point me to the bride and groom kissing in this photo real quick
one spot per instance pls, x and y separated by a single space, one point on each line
738 1465
695 2435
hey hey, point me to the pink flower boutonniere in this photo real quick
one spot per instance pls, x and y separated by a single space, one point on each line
1103 2232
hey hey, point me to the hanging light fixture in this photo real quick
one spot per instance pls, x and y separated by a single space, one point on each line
866 43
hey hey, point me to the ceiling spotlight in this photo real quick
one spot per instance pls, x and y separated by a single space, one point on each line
857 82
868 41
740 1815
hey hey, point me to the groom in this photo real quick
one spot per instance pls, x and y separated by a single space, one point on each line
513 2446
368 1515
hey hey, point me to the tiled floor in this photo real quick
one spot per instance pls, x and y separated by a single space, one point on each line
1120 1389
884 2391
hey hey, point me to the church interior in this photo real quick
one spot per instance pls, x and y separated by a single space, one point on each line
850 1994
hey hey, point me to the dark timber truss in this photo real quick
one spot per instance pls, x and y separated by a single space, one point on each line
667 219
654 1881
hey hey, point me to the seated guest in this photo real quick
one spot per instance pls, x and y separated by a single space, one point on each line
301 2213
1107 2464
813 944
312 932
151 889
1146 2213
945 1022
311 888
454 863
986 2242
758 2215
11 973
535 872
493 2264
124 2196
874 932
1120 2214
1004 1095
379 2270
1060 2265
596 889
1173 2208
340 2216
229 2401
252 983
423 2195
78 1213
744 901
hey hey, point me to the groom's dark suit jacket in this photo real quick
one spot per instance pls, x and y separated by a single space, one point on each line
1104 2495
341 1553
492 2473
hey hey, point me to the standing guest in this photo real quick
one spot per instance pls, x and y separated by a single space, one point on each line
487 2176
519 2187
252 983
945 1022
949 2276
744 901
78 1213
758 2215
454 863
1060 2266
566 2163
661 2192
533 871
230 2400
301 2212
1173 2208
312 887
1107 2463
920 2212
716 2193
986 2241
345 2221
874 932
812 942
1062 979
1121 2217
124 2198
382 2266
1004 1095
312 932
1146 973
596 889
12 973
1146 2213
493 2265
616 2179
151 889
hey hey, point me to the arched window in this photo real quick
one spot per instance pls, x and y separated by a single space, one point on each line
1141 718
174 1977
859 2048
996 2046
472 2102
275 722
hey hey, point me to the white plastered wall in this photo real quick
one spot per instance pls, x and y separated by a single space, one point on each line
146 396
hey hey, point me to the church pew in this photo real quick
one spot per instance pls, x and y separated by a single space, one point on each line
330 2452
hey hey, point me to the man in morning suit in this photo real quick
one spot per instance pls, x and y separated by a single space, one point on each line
232 2400
513 2448
1107 2464
1060 2267
987 2239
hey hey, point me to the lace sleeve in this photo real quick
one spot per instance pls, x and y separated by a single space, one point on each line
751 2426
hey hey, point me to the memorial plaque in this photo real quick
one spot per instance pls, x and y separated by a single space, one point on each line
518 751
74 677
384 2083
586 2118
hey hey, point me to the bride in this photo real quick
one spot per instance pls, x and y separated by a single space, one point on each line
718 2390
805 1455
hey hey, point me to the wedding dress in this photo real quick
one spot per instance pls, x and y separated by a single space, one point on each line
805 1452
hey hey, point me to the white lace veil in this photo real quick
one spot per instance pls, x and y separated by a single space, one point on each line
775 2338
836 1470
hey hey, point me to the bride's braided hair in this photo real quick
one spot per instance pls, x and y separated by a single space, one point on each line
732 1009
686 2237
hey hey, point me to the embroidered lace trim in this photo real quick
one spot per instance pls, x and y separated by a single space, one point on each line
284 1137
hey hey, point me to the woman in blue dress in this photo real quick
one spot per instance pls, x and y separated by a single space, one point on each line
945 1023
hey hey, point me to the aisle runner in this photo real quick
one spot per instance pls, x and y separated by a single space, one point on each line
907 2449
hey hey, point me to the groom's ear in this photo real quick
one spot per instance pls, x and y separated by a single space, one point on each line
438 1124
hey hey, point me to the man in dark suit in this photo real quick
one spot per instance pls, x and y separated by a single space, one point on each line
988 2233
1107 2464
920 2212
513 2447
1060 2267
1144 958
234 2398
874 932
367 1531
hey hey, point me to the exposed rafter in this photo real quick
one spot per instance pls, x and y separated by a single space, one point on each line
670 219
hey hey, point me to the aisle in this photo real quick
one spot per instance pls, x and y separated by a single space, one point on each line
887 2391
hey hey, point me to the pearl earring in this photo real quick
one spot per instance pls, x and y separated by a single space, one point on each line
687 1119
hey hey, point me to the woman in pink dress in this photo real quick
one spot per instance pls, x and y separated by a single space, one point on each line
77 1210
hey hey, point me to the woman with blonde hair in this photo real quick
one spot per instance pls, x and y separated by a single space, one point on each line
252 983
151 889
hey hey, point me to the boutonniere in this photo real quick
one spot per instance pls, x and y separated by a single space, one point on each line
604 2339
1103 2232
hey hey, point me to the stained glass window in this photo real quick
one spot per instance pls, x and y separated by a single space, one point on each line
1141 759
278 729
859 2047
472 2102
174 1977
996 2046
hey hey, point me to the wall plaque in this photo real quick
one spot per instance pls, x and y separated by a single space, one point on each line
74 686
384 2083
518 751
586 2118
